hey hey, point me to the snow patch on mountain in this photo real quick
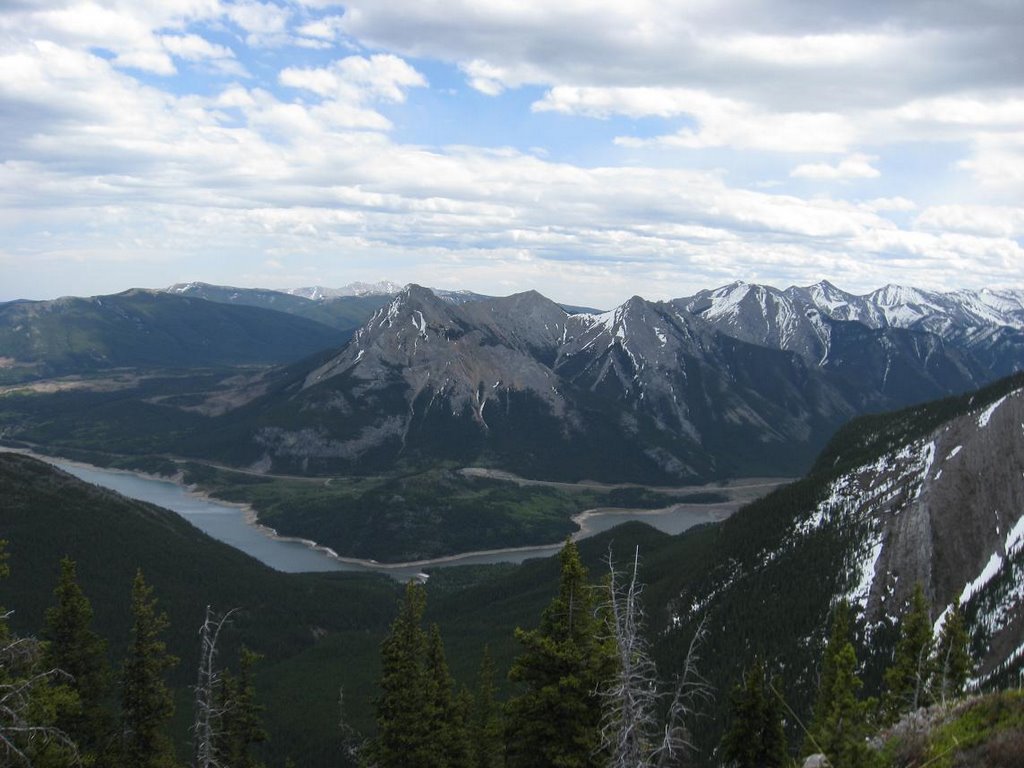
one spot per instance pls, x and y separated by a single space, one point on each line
985 415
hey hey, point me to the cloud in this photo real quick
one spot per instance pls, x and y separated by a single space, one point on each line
197 49
347 84
327 28
266 24
790 55
998 162
831 77
113 154
194 48
993 221
855 166
720 122
897 204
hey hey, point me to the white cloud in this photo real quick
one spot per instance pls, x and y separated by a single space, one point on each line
720 122
264 22
284 172
855 166
998 162
485 77
356 77
993 221
327 28
347 84
898 204
818 50
985 111
632 102
194 48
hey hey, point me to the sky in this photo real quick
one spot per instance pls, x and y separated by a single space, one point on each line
589 150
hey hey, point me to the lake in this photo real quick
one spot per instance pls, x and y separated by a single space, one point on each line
233 525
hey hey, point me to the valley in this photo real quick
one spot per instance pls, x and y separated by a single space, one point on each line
230 507
771 453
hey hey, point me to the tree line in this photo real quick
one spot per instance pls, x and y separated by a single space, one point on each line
62 705
585 692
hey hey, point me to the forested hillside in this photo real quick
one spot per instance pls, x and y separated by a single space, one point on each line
755 602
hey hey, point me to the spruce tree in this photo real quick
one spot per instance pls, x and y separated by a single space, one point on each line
839 637
241 721
840 725
449 740
843 733
906 680
556 719
32 694
486 728
403 722
952 663
146 703
74 648
755 738
774 745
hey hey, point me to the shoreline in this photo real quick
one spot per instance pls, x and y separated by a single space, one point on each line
717 511
251 517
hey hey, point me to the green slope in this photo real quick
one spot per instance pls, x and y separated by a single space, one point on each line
143 329
336 619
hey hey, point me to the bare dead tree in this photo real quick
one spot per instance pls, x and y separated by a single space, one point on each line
630 698
630 726
21 685
692 690
352 744
208 714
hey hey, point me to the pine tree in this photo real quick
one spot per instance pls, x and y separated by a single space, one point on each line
74 648
146 703
952 663
906 680
32 693
241 722
486 728
556 720
840 726
403 723
755 738
839 637
449 740
844 731
774 746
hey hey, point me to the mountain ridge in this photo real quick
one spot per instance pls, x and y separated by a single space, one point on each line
677 396
140 328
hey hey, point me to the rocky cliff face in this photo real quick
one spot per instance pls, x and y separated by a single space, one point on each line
946 511
651 391
646 392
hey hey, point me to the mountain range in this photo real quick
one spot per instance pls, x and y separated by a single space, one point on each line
742 380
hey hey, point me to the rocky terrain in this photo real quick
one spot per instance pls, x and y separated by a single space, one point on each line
649 391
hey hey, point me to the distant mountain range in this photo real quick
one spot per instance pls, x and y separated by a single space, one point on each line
144 329
347 307
744 379
987 324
